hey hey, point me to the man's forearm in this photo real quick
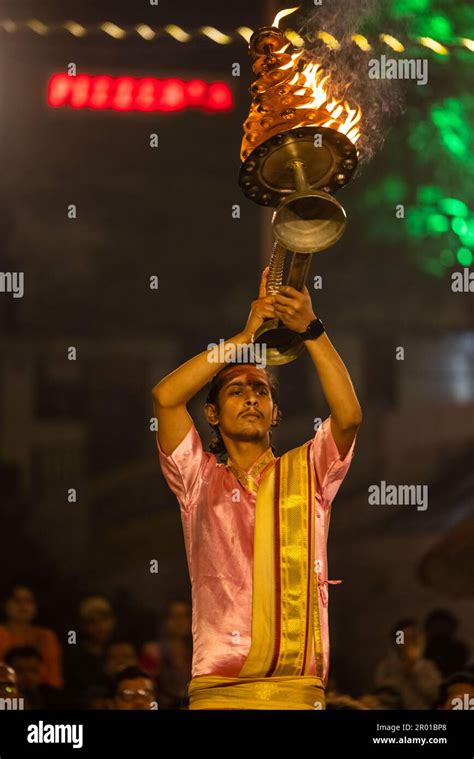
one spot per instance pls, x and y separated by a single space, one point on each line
335 382
188 379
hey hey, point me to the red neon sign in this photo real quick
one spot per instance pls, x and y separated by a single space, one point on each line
127 93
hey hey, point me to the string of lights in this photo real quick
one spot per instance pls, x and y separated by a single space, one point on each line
241 33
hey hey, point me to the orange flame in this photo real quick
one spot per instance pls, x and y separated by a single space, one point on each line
343 118
286 96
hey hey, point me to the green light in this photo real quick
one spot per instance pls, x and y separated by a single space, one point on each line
454 144
437 27
453 123
459 226
440 118
453 207
464 257
432 266
393 189
468 239
437 223
446 257
416 222
409 7
429 194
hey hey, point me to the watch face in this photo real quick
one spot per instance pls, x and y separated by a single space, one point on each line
315 328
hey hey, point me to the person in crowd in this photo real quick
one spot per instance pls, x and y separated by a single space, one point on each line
169 659
119 655
457 692
19 630
383 697
9 689
449 653
27 663
84 660
132 688
405 669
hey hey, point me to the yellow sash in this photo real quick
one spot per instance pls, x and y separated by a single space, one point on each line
285 609
214 692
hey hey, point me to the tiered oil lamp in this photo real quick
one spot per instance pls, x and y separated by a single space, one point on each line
298 149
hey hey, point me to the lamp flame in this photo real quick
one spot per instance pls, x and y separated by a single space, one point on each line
281 14
290 93
315 93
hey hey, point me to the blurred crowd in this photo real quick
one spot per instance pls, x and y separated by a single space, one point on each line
426 666
97 667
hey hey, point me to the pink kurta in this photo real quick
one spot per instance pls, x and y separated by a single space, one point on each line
218 516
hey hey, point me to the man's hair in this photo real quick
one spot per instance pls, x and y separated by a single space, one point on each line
22 652
445 616
216 446
129 673
16 585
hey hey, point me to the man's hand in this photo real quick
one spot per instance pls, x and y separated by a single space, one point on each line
262 308
294 308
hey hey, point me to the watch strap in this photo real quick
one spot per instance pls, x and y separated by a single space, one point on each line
314 330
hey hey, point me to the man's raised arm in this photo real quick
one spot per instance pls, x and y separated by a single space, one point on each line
173 392
296 311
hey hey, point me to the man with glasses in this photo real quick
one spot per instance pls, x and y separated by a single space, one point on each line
133 689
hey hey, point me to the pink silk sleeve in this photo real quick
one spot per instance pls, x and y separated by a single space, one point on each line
329 468
183 468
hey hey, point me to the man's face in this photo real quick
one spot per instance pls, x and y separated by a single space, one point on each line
120 656
414 645
21 606
138 693
246 408
99 626
28 671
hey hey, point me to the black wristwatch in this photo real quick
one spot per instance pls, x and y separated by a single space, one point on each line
313 330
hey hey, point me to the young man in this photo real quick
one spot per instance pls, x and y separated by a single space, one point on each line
133 689
255 527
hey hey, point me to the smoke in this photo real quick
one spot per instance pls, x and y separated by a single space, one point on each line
381 100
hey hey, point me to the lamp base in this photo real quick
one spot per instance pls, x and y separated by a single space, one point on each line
267 175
